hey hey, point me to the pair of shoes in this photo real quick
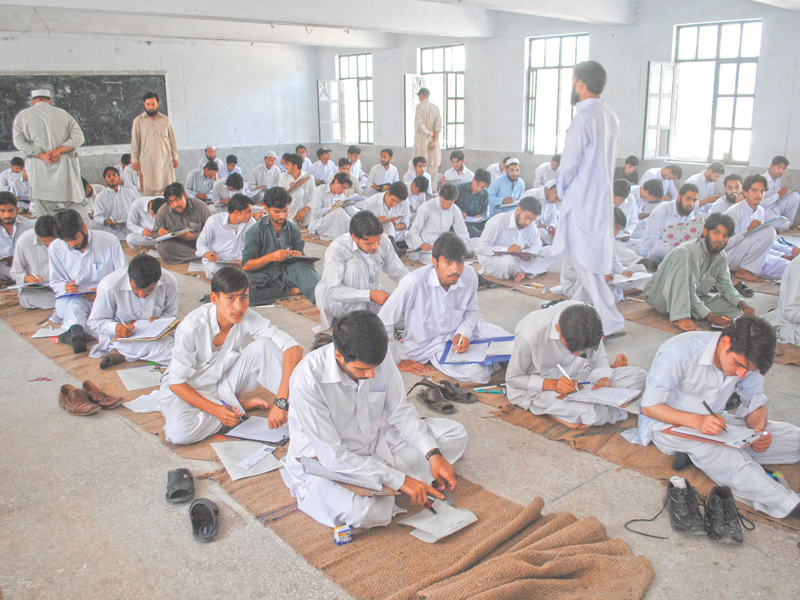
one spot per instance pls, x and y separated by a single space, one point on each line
77 338
99 397
485 284
722 522
76 402
203 513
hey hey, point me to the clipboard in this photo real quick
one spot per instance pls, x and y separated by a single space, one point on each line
356 489
488 360
672 430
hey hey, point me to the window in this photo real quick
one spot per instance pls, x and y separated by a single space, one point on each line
549 112
442 70
356 71
700 108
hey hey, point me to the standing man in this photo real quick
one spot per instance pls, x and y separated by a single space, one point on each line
154 150
427 127
48 137
584 181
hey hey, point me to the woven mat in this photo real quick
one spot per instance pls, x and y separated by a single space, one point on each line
300 305
182 268
773 288
314 239
788 354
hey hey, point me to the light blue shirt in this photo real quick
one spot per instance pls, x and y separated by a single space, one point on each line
501 188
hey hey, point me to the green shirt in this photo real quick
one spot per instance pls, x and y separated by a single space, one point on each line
261 240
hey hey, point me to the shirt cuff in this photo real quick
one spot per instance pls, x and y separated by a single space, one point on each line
535 383
394 479
650 398
179 373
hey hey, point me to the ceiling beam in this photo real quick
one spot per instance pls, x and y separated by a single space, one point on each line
612 12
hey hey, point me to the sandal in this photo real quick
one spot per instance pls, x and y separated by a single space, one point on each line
321 339
744 289
455 393
433 399
204 515
180 486
485 284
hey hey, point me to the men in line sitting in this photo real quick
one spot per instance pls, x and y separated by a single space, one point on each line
222 240
32 266
434 218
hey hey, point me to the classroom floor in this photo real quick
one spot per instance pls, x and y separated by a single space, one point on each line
83 514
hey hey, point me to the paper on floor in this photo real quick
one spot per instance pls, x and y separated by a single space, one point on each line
231 453
139 378
149 403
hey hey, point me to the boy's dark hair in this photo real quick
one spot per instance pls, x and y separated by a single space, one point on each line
422 183
45 227
68 224
107 169
353 150
277 197
212 165
449 191
343 162
751 179
235 181
151 94
531 205
365 224
239 202
483 176
717 167
620 220
732 177
654 187
156 203
399 190
295 159
174 190
632 160
622 187
581 327
229 280
343 178
779 160
457 154
715 219
388 151
753 338
7 198
144 270
299 147
419 159
361 336
125 159
17 162
449 246
556 158
688 187
676 170
231 159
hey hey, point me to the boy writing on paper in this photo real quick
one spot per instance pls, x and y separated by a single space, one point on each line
710 366
569 334
349 409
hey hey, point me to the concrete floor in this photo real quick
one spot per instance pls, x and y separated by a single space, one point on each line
83 515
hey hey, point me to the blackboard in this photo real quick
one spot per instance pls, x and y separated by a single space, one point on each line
103 105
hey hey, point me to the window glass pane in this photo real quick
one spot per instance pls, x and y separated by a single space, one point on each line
427 61
667 73
448 59
370 118
707 43
744 112
458 58
343 72
724 112
363 133
369 89
650 143
438 60
451 137
583 48
655 78
687 43
362 65
552 54
568 46
652 111
747 78
692 135
362 89
353 66
460 85
751 39
544 136
451 85
369 140
722 144
459 136
537 54
369 65
741 145
665 114
727 78
729 40
459 111
451 111
565 108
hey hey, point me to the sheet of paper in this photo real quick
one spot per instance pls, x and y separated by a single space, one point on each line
149 403
736 436
475 219
140 378
144 328
231 453
196 267
500 348
172 234
257 428
433 527
475 353
635 277
604 395
46 332
256 457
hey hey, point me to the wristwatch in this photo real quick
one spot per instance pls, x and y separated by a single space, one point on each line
281 403
433 453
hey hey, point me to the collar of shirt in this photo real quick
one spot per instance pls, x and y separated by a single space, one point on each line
554 334
433 281
331 373
707 358
125 286
87 250
584 104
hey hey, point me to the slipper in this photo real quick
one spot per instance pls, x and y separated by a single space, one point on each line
180 486
552 303
204 515
744 289
485 284
433 399
455 393
321 339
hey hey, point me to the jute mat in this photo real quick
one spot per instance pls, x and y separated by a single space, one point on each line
771 287
788 354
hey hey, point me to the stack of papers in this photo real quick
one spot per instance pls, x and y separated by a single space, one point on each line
604 395
431 527
235 457
480 351
139 378
257 428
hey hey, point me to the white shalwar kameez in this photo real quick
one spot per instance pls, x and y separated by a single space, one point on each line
500 233
102 256
543 173
223 373
427 121
8 242
682 376
653 246
433 316
367 430
571 285
758 252
706 189
130 179
780 206
30 258
115 205
21 188
549 216
788 304
350 274
334 223
6 177
323 171
670 189
222 238
116 300
380 175
586 216
301 195
139 219
431 222
401 212
456 178
262 179
538 350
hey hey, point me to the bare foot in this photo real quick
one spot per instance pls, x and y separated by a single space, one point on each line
570 425
294 292
686 325
253 403
748 276
519 277
111 359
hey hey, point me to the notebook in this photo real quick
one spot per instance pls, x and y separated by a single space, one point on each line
146 330
431 528
604 395
735 437
172 234
776 222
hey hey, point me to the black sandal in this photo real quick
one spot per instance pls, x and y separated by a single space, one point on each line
180 486
204 515
320 340
744 289
433 399
455 393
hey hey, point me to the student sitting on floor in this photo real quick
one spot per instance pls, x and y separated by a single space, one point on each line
788 304
212 366
32 266
348 409
439 303
142 221
351 277
323 199
12 226
177 214
392 209
142 291
222 240
112 205
710 366
435 217
569 334
681 288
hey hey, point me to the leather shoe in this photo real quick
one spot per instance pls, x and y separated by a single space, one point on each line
99 397
76 402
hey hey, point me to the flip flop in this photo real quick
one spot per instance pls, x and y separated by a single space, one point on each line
321 339
204 515
180 486
433 399
744 289
455 393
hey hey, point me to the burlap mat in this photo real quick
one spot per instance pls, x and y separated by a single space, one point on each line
300 305
773 288
314 239
787 354
182 268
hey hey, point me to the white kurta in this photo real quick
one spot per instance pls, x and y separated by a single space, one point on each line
401 213
323 172
114 205
433 316
779 206
538 350
198 183
154 147
6 177
543 174
367 430
753 252
631 211
454 177
42 128
498 235
586 216
380 175
670 189
116 300
222 238
301 195
220 194
8 241
263 178
139 219
720 205
224 173
355 186
30 258
21 189
334 223
706 190
682 376
431 222
494 170
427 121
412 175
653 246
788 304
102 256
349 274
131 179
221 373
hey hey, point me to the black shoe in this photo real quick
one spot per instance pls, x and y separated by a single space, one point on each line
77 338
733 402
722 516
485 284
681 461
684 510
205 299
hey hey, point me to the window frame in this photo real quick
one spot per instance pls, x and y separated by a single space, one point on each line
453 103
365 97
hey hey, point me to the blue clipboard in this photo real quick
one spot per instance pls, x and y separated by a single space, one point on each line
492 358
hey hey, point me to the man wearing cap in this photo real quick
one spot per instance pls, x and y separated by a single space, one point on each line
323 168
264 176
427 127
48 137
506 190
154 149
211 155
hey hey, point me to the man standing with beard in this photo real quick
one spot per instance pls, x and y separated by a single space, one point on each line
681 287
585 181
177 214
154 150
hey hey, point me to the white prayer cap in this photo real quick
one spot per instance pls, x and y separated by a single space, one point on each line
512 161
40 94
212 146
270 154
550 184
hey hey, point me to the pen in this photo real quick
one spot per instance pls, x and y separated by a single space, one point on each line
226 405
428 505
711 412
563 372
584 383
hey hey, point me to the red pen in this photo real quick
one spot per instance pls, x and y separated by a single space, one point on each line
428 505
